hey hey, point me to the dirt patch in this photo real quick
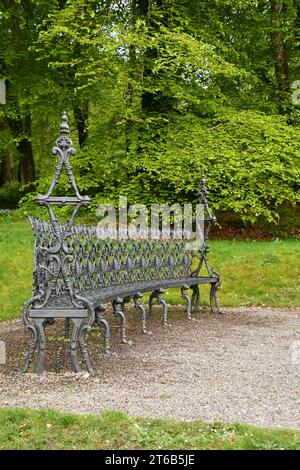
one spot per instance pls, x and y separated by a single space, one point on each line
240 367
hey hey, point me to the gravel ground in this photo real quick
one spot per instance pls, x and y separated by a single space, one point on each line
240 367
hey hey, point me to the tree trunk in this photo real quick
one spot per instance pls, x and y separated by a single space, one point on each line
280 55
142 7
26 164
297 27
153 101
138 9
81 115
27 169
6 175
6 162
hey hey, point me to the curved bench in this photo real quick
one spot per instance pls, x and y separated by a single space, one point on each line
76 273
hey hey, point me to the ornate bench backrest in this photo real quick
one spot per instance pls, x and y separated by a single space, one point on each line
85 261
70 259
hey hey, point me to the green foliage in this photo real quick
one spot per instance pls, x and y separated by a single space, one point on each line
251 162
162 92
10 195
49 429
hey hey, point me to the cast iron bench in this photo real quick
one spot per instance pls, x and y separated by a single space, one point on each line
76 273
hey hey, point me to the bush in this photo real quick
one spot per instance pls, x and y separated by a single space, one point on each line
250 161
10 195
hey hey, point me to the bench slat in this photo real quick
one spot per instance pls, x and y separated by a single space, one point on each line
58 313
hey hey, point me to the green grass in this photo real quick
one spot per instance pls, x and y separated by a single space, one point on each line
16 263
255 273
48 429
262 273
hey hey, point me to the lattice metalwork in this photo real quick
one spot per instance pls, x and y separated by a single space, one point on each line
71 264
77 260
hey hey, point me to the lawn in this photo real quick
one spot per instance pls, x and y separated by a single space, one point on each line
258 273
262 273
49 429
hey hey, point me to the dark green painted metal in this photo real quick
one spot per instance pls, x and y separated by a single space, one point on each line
76 272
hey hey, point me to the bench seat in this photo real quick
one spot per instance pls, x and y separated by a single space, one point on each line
100 296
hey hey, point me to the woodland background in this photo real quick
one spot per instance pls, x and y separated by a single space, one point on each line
158 93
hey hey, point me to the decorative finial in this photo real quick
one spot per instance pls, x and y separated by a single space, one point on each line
64 128
63 150
64 142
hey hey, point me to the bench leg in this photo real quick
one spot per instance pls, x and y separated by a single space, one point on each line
151 298
214 300
32 347
117 307
157 295
40 327
187 298
196 298
139 306
77 322
84 350
100 320
164 305
38 339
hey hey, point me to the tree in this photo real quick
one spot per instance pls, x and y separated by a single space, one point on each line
280 53
19 68
141 80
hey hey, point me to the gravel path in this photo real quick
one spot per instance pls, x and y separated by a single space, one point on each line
241 367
